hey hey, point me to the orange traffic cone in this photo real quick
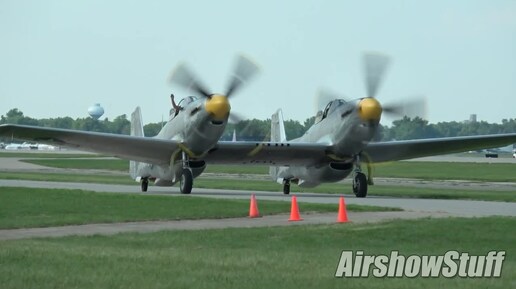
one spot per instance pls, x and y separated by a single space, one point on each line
253 208
294 211
343 214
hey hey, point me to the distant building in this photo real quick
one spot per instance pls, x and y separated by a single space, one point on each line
472 118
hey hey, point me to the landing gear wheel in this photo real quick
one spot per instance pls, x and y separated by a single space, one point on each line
145 184
360 185
286 187
186 182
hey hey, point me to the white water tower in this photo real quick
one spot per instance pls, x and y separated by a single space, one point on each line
95 111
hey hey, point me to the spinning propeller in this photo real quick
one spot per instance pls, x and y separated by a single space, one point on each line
217 104
375 67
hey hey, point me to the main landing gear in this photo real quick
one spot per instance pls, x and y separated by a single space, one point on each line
360 185
286 186
186 181
144 184
359 180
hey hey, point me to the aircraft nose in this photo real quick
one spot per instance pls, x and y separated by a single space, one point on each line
370 109
218 106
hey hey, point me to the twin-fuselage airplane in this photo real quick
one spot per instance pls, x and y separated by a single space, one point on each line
332 149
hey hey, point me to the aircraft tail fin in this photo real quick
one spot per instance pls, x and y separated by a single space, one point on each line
136 122
277 127
136 130
277 135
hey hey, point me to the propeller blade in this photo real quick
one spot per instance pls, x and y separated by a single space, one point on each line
184 77
412 107
244 70
235 117
375 66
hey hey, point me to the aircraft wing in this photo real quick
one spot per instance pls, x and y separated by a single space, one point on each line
149 150
408 149
159 151
268 153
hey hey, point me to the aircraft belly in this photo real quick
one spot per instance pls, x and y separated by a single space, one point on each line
313 176
155 171
166 176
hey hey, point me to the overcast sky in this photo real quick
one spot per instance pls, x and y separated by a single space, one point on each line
57 58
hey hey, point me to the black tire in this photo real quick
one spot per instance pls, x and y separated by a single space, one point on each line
145 184
286 187
360 185
186 182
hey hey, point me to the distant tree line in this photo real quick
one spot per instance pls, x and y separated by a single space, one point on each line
255 129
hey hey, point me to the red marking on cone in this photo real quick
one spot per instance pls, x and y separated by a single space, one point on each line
294 211
253 208
343 214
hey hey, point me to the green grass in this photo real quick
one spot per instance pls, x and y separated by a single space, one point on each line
452 194
69 178
29 207
336 188
257 185
104 164
238 169
420 170
274 257
448 171
52 155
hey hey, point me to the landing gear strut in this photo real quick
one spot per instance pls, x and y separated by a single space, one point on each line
286 186
145 184
186 181
359 180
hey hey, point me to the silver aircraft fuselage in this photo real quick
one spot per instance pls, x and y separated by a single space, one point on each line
197 126
346 127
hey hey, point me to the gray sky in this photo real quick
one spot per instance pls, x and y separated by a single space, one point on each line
57 58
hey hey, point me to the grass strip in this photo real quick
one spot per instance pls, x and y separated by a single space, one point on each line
68 178
294 257
86 164
29 207
337 188
499 172
52 155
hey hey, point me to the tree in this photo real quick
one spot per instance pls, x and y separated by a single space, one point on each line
14 116
293 129
89 124
309 122
408 128
119 125
254 129
152 129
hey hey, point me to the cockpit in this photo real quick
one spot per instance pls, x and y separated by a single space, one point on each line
330 107
186 101
183 103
